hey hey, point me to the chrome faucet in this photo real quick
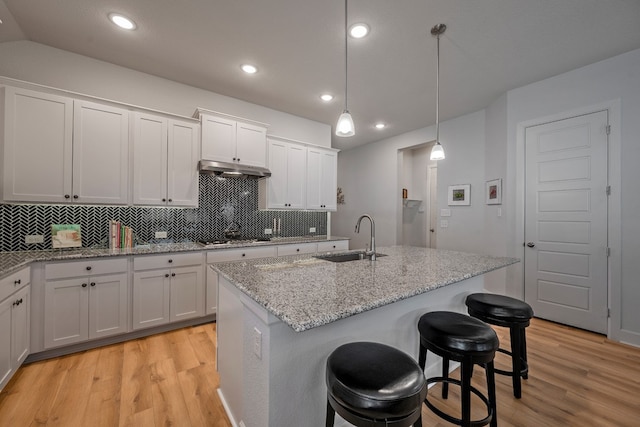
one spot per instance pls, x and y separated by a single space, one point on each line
371 253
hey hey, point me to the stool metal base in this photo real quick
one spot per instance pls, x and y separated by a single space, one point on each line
473 423
333 406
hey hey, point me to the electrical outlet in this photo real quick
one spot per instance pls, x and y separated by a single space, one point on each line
444 223
257 342
445 212
33 238
312 230
268 231
161 234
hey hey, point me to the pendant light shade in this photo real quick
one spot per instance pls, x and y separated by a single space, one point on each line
345 126
437 152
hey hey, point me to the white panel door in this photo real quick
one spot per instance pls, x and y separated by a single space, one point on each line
218 138
21 326
151 293
107 305
38 136
149 160
566 221
182 166
187 296
100 153
66 314
251 145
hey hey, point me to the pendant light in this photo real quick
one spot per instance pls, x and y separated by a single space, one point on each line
345 126
437 152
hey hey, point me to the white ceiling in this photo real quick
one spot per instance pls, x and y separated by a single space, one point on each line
490 46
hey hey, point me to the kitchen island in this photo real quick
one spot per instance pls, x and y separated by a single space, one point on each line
279 319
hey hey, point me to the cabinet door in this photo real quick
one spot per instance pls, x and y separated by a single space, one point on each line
37 147
296 176
149 160
100 153
20 326
329 180
314 178
277 183
218 139
151 293
251 145
187 293
107 305
5 340
66 306
184 153
322 168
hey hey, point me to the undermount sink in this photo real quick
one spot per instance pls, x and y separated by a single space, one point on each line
351 256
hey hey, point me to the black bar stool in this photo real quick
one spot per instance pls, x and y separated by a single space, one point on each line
455 336
373 385
511 313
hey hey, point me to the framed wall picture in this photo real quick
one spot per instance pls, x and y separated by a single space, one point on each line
459 195
494 192
66 236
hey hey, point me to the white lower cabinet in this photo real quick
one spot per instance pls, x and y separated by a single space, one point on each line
167 288
90 306
15 315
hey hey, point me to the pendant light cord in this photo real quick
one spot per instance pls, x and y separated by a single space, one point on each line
346 36
438 89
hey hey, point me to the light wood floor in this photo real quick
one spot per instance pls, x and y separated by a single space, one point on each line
576 379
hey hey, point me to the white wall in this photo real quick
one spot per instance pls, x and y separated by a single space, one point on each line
37 63
371 182
615 81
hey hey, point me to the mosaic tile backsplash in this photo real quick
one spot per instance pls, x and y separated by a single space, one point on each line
222 201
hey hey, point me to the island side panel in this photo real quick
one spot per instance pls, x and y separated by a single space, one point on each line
286 387
230 332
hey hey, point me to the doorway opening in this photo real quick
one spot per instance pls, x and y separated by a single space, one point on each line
417 193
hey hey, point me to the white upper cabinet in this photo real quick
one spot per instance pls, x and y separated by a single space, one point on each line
61 150
37 146
166 154
234 141
286 187
100 154
322 167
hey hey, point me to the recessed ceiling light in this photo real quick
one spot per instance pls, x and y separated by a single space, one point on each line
249 69
380 126
326 97
122 21
358 31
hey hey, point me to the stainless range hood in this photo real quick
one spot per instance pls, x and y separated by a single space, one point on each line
232 170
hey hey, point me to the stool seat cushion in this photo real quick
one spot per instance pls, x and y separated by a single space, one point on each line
458 333
375 380
499 307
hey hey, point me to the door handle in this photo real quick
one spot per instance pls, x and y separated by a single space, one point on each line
531 244
431 230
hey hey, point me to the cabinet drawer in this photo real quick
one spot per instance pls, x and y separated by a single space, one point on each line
87 267
240 254
339 245
13 282
167 261
302 248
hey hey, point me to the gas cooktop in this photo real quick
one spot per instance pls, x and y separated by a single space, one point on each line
241 241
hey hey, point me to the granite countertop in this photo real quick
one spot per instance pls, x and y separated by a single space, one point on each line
306 292
13 261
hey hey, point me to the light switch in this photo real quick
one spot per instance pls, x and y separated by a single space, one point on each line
444 223
499 212
445 212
